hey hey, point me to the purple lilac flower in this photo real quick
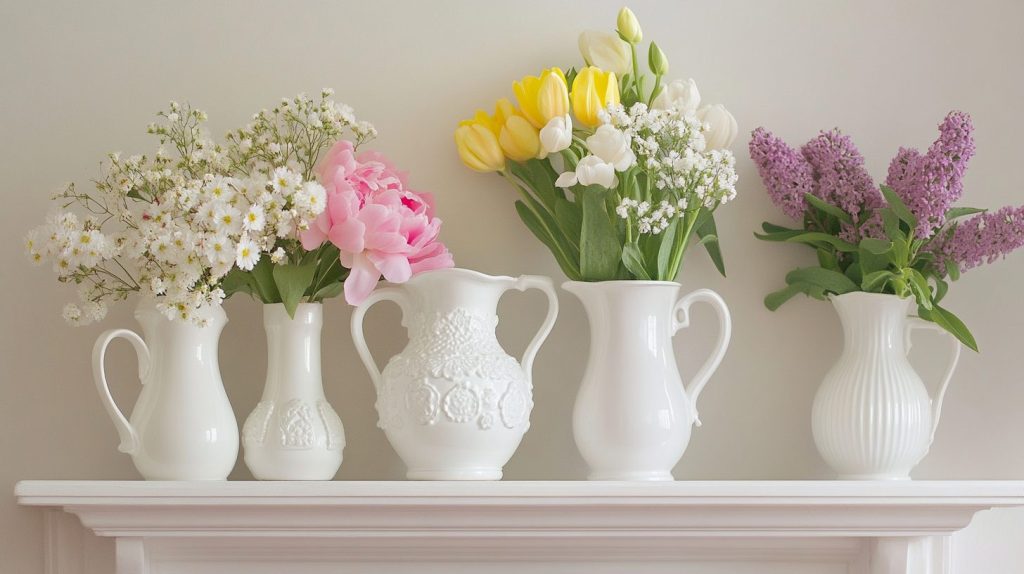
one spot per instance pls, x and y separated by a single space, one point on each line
842 180
929 184
983 238
785 173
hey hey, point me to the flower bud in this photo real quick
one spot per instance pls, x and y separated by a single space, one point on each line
657 60
629 27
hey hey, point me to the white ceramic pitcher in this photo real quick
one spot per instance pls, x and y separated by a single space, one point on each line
182 426
633 415
872 416
453 403
293 433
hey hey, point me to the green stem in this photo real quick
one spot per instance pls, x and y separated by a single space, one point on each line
654 91
682 240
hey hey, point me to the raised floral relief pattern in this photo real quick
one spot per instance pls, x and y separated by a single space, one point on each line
458 347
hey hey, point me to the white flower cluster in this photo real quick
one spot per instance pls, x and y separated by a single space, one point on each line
651 221
182 223
293 133
671 149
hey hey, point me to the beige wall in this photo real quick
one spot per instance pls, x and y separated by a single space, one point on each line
81 78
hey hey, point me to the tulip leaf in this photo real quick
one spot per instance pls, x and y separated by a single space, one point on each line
600 249
569 219
537 178
535 226
708 229
668 241
633 260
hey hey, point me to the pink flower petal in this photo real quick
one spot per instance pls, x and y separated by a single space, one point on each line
361 280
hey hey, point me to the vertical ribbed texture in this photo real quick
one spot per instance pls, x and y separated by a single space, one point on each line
872 415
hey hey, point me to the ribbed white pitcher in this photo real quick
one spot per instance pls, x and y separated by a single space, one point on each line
182 426
873 418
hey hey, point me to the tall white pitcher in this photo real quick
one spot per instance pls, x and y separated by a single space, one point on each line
182 426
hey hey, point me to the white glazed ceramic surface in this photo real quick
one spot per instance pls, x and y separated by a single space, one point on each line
872 417
453 403
182 426
633 416
293 433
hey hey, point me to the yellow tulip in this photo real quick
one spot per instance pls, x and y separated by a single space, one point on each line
519 139
477 143
593 90
542 98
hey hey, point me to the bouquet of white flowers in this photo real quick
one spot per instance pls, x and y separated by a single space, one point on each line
193 227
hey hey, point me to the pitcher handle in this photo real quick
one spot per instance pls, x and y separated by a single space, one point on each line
381 294
544 284
724 334
129 437
919 323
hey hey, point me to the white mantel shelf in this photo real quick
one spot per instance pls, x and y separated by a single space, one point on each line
164 527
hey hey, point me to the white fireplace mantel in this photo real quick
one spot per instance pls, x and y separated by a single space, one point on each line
498 527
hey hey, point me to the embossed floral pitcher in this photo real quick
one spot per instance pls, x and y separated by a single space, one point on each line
453 403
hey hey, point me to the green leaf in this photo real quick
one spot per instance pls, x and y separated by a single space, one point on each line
922 292
819 239
535 226
899 208
537 178
772 228
827 259
891 224
957 212
237 281
569 218
941 288
668 238
828 280
828 208
633 260
600 249
875 246
708 233
953 270
263 278
329 291
292 282
779 235
775 299
950 323
872 281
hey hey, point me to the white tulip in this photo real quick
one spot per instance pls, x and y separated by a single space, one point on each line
556 135
591 170
720 127
606 51
612 146
680 95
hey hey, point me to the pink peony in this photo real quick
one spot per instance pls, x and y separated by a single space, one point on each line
381 227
